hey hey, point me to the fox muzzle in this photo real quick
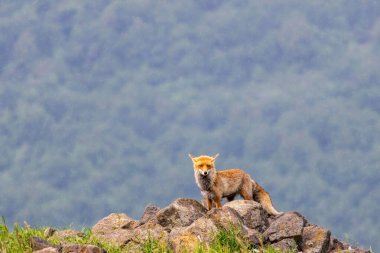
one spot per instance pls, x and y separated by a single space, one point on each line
204 172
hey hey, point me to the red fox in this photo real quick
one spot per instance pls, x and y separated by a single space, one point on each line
215 185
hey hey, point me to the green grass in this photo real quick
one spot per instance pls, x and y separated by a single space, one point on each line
19 241
227 241
155 246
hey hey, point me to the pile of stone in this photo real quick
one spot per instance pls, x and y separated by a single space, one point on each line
185 223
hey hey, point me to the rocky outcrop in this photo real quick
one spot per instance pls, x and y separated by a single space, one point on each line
185 223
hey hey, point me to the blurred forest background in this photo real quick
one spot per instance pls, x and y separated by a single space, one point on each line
101 101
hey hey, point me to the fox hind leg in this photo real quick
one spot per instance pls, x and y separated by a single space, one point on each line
246 195
246 191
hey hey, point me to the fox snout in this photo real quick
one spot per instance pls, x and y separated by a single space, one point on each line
204 172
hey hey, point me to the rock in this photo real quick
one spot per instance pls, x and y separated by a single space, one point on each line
148 231
63 235
226 218
253 236
150 214
39 244
285 245
252 213
47 250
112 222
337 246
187 239
113 229
315 239
287 225
76 248
180 213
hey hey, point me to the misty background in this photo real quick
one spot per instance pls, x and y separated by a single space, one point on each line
101 101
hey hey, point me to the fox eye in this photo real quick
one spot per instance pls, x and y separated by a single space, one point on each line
208 166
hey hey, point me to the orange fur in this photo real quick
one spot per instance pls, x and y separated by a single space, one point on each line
215 185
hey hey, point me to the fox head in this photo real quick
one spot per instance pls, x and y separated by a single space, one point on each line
204 164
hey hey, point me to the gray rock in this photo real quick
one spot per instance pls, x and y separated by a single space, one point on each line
186 239
47 250
253 236
39 244
337 246
287 225
315 239
76 248
112 229
150 213
180 213
226 218
149 230
252 213
63 235
285 245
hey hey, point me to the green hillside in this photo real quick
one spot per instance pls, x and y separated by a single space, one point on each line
100 103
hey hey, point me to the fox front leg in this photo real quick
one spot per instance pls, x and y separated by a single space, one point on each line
207 202
218 201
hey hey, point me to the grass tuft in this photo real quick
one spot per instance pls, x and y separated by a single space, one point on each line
155 246
229 241
19 240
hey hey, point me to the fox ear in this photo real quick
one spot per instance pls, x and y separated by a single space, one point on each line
192 158
215 156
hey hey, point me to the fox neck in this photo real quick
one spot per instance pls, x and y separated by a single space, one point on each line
205 183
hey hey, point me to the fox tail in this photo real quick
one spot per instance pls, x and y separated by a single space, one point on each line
264 199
